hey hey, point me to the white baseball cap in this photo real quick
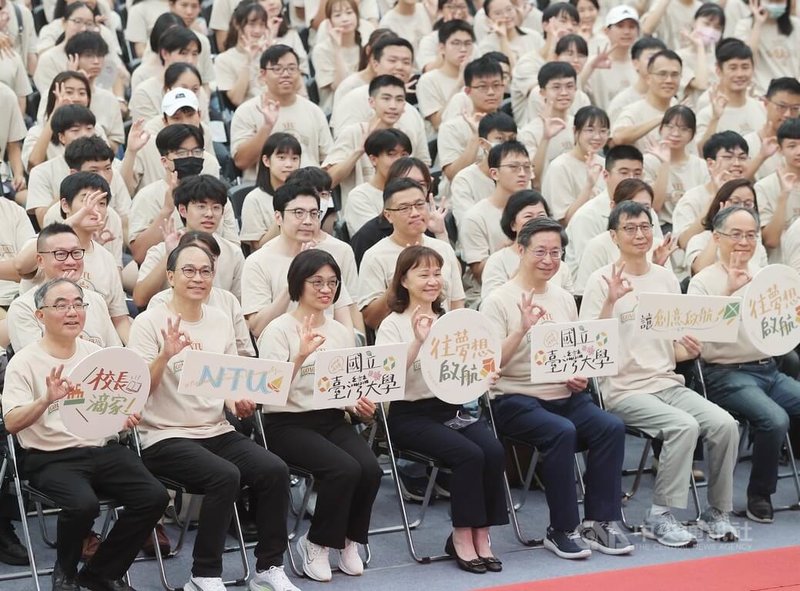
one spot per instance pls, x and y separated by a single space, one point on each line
178 98
621 13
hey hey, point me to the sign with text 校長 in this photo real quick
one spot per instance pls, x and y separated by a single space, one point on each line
459 356
230 377
342 376
584 349
711 319
771 309
108 385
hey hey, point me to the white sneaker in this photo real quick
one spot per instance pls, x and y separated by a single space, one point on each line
204 584
273 579
350 562
316 564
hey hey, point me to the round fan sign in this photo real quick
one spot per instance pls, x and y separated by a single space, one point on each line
108 385
771 310
459 356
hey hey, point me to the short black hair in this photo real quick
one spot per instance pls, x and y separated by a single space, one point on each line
274 53
305 265
711 10
622 152
388 41
313 176
536 225
630 209
590 114
683 114
400 184
163 23
206 239
449 28
291 191
498 121
277 143
383 81
667 54
78 181
555 71
783 84
483 67
500 151
68 116
175 39
644 43
572 40
86 43
174 71
733 49
172 136
381 141
87 149
53 229
789 130
724 140
499 57
172 258
515 204
200 187
559 8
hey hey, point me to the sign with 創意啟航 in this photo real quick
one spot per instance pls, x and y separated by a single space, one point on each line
107 387
342 376
711 319
563 350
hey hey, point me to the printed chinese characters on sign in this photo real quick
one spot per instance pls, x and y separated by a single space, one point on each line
343 376
587 349
712 319
771 310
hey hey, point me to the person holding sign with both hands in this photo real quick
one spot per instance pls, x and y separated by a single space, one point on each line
425 424
188 439
558 418
346 472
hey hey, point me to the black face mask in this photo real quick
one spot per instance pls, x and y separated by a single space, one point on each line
189 166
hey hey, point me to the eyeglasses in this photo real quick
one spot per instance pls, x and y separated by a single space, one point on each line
663 75
63 307
738 156
278 70
737 236
593 132
81 22
204 208
517 167
509 11
406 208
793 110
559 88
497 87
300 214
458 44
632 229
541 253
749 204
319 284
62 255
681 128
455 6
195 152
190 272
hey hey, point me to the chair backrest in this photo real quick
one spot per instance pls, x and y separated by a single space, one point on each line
236 195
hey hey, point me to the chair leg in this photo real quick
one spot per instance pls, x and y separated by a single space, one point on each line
34 573
793 474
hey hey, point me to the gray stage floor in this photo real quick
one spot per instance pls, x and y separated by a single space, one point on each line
393 568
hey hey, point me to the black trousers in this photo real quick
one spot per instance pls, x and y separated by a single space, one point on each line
345 470
217 467
75 478
476 457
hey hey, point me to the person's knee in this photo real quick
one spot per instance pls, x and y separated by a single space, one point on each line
684 428
346 469
223 480
272 471
86 507
776 421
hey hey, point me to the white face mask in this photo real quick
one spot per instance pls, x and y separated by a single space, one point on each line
709 35
775 11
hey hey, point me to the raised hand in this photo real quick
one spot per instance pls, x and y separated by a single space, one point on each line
473 119
170 234
738 272
602 61
664 250
57 386
88 217
593 169
138 136
719 176
270 109
175 339
104 236
530 312
787 180
718 101
692 38
618 286
498 29
760 14
660 150
421 324
310 339
336 36
437 215
60 96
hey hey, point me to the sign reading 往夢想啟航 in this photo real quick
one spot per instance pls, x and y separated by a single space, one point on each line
108 385
712 319
342 376
771 309
563 350
459 356
231 377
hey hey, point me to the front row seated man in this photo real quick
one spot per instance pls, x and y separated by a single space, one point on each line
560 418
647 393
72 470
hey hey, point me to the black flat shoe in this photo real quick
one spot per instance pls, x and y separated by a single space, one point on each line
475 566
492 564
